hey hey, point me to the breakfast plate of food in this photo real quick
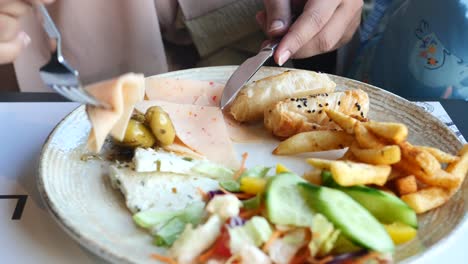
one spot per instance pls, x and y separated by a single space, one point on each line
302 167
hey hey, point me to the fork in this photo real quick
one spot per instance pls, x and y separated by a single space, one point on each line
58 74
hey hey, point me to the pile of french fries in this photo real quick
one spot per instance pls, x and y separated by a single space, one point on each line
379 154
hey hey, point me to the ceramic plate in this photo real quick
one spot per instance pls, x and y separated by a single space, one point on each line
82 201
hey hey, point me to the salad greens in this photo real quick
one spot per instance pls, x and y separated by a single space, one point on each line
281 218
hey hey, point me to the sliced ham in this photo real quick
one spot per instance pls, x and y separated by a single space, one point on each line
204 93
121 94
184 91
202 128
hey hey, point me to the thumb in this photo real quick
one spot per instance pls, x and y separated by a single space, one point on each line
10 50
278 16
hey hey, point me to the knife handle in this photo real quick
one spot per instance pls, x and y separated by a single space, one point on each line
271 46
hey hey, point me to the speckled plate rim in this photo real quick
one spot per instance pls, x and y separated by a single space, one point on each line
104 253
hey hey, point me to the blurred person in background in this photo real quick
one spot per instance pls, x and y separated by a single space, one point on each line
414 48
105 38
411 47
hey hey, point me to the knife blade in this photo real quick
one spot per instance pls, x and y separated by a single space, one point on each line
244 72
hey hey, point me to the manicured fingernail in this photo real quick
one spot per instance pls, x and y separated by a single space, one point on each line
276 25
284 56
24 38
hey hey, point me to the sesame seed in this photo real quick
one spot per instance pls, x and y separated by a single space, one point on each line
292 99
299 106
362 114
339 102
305 104
329 120
308 111
320 105
314 127
313 111
326 104
320 111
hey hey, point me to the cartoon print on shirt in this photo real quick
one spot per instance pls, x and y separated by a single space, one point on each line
433 65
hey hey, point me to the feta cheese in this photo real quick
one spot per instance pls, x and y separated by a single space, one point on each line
157 190
192 242
148 160
225 206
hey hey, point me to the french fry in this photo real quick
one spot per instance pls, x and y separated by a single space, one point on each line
396 173
406 185
393 132
426 199
459 168
438 178
313 176
346 122
441 156
386 155
428 164
365 138
313 141
320 163
409 168
348 173
348 156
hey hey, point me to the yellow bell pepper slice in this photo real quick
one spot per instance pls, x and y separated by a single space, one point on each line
252 185
400 233
281 168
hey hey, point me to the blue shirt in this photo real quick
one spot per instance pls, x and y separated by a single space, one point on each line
418 48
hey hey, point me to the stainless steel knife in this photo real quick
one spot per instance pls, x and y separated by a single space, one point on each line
245 71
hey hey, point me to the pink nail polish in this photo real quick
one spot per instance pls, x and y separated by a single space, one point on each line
284 56
276 25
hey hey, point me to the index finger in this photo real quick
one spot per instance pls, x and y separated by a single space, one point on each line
314 17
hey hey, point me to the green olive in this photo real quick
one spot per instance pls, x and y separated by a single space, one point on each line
137 135
138 116
161 125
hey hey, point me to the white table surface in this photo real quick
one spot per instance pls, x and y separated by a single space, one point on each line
35 237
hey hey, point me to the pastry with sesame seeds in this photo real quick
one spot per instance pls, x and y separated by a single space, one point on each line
255 97
287 117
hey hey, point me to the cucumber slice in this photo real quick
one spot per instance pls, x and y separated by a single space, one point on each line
355 221
284 203
252 203
387 208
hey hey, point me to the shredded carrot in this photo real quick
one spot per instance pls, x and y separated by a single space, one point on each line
233 259
272 238
242 167
248 214
301 256
308 236
162 258
325 260
203 194
238 195
205 256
